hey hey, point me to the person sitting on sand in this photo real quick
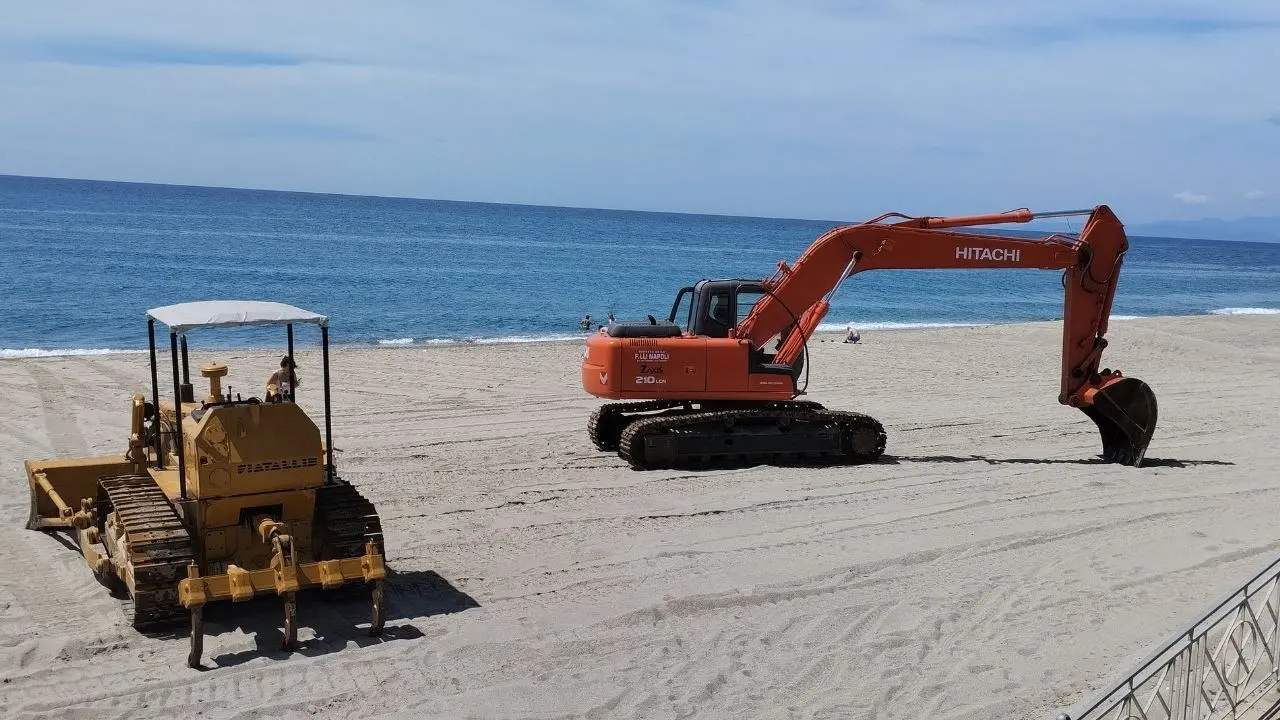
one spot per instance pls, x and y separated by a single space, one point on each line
852 336
282 382
586 323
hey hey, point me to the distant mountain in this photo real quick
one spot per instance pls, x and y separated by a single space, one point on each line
1256 229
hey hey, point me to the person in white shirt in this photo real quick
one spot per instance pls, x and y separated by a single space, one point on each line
282 381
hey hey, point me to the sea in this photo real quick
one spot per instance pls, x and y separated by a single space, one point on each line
81 262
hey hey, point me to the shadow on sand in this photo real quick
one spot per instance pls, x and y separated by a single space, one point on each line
1147 462
338 618
899 459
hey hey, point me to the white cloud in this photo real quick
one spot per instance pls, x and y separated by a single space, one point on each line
811 108
1258 194
1190 198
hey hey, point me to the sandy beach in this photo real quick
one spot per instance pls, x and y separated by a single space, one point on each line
989 567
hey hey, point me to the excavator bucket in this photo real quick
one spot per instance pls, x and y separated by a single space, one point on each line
1125 412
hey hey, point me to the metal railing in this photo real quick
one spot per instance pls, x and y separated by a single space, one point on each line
1221 666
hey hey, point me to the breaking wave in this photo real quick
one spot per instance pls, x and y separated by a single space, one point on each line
529 339
410 342
13 353
1246 311
840 327
475 340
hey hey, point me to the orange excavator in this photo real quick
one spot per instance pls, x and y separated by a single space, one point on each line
722 388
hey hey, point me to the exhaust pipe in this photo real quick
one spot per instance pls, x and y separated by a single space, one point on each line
1124 409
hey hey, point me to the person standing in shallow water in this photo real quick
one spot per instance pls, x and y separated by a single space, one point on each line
586 323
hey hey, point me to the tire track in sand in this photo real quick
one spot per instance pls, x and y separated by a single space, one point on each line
63 431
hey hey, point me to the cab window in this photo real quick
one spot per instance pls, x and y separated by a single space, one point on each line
718 309
719 319
747 300
682 313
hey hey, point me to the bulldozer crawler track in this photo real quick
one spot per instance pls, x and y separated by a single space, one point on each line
862 438
159 548
345 521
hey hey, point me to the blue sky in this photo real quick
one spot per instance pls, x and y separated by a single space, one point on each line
809 108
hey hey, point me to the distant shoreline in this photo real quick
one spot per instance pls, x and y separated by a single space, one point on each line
826 332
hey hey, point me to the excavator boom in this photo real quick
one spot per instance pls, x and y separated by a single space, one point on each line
1091 261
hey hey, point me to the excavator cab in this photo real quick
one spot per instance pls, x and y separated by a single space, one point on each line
713 308
710 308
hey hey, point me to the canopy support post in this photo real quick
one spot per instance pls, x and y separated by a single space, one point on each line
293 378
328 413
188 394
155 393
177 419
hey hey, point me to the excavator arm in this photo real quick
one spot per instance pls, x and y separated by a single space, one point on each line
798 297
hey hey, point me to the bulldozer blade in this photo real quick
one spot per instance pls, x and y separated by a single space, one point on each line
1125 413
57 487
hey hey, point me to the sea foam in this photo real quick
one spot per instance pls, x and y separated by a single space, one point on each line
840 327
1246 311
15 353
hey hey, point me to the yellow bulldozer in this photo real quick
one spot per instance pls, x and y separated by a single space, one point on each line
217 497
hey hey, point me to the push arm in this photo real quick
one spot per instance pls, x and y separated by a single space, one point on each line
1092 264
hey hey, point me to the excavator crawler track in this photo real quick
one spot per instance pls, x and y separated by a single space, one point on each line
345 521
776 433
607 423
159 548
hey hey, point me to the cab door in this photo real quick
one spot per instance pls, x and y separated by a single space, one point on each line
724 304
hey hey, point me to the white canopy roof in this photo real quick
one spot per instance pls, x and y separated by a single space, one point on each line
231 313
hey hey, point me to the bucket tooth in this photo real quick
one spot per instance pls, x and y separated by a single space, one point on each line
1125 412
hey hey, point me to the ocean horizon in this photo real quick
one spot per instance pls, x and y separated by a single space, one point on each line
83 260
